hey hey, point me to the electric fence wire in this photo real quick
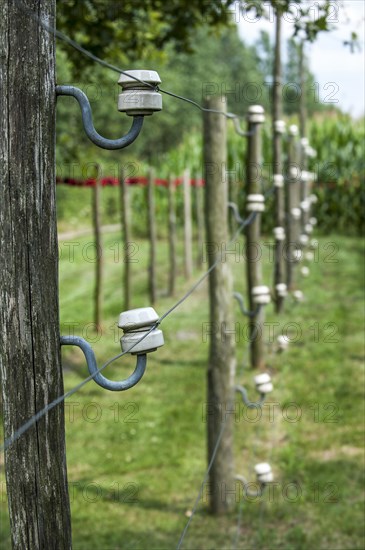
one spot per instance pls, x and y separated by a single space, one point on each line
61 36
249 220
246 222
25 427
195 507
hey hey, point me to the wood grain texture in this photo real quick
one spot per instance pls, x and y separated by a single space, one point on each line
277 168
30 363
253 247
98 292
222 362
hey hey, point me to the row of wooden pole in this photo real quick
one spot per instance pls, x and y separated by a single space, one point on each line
222 356
125 209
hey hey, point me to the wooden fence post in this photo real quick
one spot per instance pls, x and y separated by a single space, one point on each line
253 237
304 183
199 222
221 367
172 235
152 235
303 92
30 358
292 208
188 233
98 299
277 168
125 222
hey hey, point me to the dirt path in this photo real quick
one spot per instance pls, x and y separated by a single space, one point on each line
85 232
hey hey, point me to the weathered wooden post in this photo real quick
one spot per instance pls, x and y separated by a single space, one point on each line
125 222
172 235
188 232
292 208
304 187
254 206
98 298
30 359
221 366
199 222
277 168
152 235
303 92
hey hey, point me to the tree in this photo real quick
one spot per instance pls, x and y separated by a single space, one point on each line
30 363
134 29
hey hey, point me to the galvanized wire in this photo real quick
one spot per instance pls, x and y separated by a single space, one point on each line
195 507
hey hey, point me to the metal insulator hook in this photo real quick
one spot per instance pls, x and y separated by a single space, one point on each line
236 213
243 310
139 98
263 386
91 133
141 336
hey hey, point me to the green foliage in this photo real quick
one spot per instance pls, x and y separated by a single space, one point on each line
135 30
340 164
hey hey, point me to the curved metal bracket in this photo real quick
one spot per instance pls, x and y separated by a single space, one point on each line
91 133
105 383
244 311
239 130
236 213
247 402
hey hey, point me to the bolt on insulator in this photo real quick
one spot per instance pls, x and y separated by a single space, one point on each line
279 233
298 295
255 203
278 180
136 323
283 342
308 228
305 271
313 221
281 290
256 114
263 383
279 126
305 205
261 295
297 255
296 213
264 473
303 239
309 256
293 130
139 98
314 244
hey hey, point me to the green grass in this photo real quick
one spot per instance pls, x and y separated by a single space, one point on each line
135 472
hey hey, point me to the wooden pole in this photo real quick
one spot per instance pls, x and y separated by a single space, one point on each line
199 222
152 235
172 236
30 359
253 236
292 208
96 199
278 129
303 92
125 222
221 366
304 183
188 232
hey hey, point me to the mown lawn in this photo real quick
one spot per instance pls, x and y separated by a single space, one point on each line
136 459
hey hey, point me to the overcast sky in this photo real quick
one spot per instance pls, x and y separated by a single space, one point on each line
329 60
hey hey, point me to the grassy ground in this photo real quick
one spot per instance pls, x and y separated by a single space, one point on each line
136 459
